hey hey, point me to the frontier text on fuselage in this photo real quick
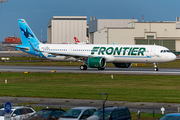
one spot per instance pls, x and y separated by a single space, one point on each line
118 50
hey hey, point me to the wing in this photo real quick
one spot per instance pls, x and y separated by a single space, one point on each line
21 47
68 55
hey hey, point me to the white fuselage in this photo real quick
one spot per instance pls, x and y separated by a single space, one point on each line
112 53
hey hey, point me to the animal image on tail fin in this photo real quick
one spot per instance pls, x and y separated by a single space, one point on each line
26 33
30 43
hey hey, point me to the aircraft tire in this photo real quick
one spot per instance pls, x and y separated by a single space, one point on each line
83 67
101 68
155 69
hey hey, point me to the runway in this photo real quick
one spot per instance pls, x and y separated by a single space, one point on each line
75 69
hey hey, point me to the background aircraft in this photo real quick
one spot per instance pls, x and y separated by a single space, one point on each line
78 42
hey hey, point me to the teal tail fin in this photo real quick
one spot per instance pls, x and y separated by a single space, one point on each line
27 36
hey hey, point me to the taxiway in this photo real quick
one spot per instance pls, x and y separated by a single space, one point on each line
75 69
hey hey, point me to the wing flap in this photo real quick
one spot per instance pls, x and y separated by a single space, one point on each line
68 55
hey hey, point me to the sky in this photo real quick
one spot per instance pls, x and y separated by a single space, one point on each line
38 12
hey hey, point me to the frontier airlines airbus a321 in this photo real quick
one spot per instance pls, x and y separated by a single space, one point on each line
93 55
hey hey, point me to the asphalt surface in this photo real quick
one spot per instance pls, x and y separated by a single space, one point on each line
14 54
75 69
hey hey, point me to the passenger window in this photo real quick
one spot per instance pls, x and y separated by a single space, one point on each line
122 113
28 110
16 112
127 112
22 111
92 111
85 114
57 114
115 115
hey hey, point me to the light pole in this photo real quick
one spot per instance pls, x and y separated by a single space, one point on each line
103 101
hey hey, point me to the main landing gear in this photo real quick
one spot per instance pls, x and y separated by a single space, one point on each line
155 66
101 68
83 67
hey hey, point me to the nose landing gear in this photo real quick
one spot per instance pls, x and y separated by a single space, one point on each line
155 66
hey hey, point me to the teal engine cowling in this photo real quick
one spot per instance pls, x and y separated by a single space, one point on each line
96 62
122 65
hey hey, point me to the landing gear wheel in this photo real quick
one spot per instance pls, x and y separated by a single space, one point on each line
101 68
155 69
83 67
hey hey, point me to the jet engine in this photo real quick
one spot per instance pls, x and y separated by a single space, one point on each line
122 65
96 62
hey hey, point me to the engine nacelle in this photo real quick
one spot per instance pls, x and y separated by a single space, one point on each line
96 62
122 65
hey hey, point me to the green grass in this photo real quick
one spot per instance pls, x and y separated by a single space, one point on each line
146 115
134 88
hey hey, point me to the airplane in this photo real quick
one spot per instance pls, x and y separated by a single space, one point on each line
93 55
78 42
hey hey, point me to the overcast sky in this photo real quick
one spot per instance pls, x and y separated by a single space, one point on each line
38 12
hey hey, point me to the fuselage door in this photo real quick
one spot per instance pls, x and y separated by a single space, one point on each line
70 50
152 51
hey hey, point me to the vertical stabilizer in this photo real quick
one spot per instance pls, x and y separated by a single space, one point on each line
26 33
76 40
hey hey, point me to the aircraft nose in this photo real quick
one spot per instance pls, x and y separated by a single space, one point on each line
173 56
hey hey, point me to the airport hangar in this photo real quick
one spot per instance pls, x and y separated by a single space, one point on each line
63 29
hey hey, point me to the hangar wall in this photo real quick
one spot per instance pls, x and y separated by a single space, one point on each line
98 25
101 35
159 33
177 45
121 36
63 29
162 29
127 32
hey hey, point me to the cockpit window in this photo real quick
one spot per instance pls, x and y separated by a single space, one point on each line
165 51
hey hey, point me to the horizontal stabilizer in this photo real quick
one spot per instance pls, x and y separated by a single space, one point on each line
22 47
34 47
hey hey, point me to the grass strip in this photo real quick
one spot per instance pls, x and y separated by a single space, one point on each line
134 88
